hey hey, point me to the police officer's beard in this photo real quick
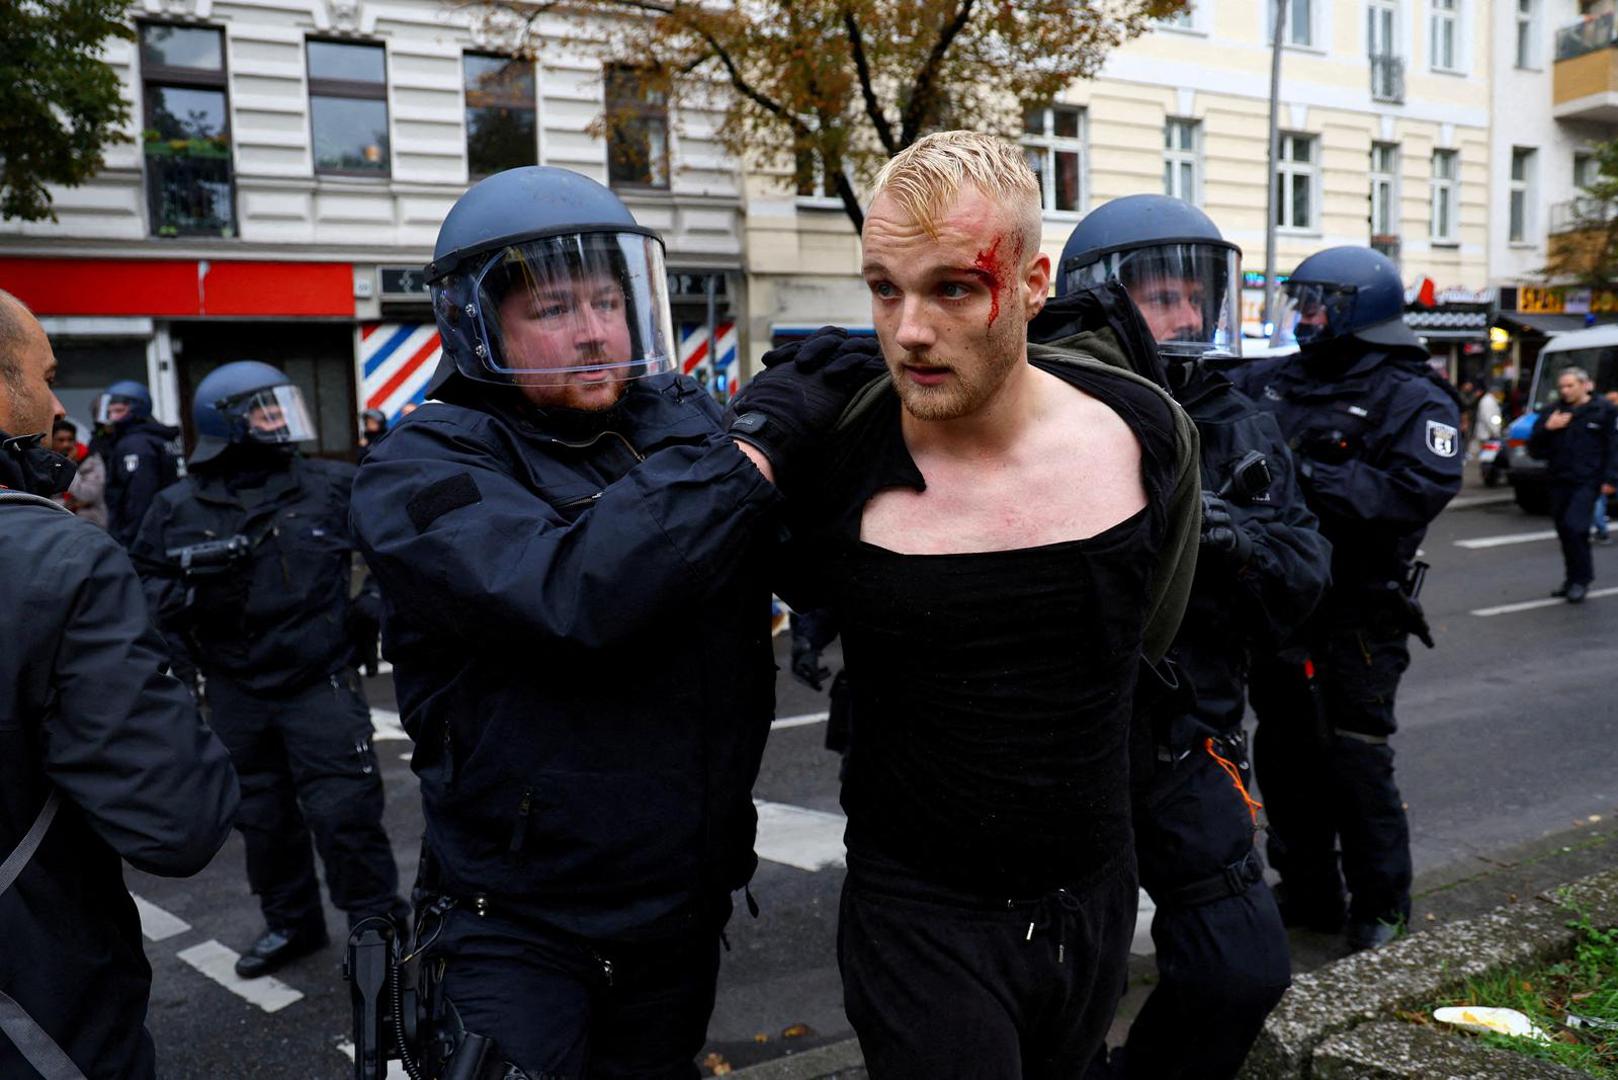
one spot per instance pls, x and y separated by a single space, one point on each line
573 424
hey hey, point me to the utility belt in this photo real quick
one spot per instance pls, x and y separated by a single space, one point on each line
1395 599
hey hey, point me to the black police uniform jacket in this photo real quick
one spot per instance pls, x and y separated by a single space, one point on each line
1263 602
142 457
1378 449
579 627
1583 454
281 618
86 709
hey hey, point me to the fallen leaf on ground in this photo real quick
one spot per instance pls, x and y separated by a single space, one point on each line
796 1031
716 1064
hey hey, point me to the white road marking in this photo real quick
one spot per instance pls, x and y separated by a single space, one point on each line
219 964
396 1069
799 721
387 726
157 924
1142 945
382 668
808 839
1530 605
1467 501
1508 538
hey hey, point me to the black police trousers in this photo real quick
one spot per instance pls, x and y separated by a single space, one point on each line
943 984
1325 770
1573 507
1222 953
306 766
562 1007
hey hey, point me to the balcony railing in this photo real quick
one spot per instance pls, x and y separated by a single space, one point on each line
1586 36
1578 213
190 188
1388 79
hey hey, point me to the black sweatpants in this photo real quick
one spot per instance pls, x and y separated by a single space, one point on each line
1572 507
1222 962
942 984
561 1007
1334 785
307 767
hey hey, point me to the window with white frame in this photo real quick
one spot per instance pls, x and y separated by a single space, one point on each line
1297 178
1525 34
1444 35
1522 193
1182 159
1445 195
1586 169
1184 19
1300 27
1053 143
1384 189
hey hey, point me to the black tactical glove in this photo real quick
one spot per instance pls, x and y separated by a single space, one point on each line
787 409
1221 533
807 668
1328 447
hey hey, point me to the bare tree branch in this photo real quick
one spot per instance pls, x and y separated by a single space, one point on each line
862 67
916 108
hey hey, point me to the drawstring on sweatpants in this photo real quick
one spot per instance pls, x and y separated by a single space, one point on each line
1253 805
1049 911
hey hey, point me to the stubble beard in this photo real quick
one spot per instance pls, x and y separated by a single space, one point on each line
965 393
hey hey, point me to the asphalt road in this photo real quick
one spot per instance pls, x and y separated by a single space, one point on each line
1508 733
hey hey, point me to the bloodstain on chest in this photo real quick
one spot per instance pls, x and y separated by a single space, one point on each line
994 273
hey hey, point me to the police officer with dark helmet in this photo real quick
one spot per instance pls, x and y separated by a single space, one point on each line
249 564
141 455
1376 435
565 536
1221 949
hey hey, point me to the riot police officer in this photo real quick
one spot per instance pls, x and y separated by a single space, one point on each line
565 537
1221 949
249 562
1376 433
141 456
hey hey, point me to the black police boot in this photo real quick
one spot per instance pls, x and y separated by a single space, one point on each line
1370 935
278 948
1576 592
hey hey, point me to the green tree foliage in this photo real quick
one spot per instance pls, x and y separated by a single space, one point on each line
839 86
60 104
1584 246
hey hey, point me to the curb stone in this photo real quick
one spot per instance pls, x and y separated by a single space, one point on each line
1365 987
1392 1050
836 1061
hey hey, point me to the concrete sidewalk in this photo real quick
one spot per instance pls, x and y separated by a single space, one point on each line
1457 891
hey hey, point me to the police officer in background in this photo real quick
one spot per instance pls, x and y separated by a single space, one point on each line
141 456
102 758
1376 433
1222 952
565 538
249 563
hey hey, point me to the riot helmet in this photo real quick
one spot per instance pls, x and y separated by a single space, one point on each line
1346 292
124 400
247 402
542 278
1183 276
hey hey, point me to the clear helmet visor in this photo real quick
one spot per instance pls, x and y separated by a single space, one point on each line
1315 312
578 308
1188 293
273 415
111 408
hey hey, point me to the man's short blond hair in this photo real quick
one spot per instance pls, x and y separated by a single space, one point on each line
926 178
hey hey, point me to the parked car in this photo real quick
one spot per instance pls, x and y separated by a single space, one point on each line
1596 351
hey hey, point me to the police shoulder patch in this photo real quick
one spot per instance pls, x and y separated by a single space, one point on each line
131 462
1442 439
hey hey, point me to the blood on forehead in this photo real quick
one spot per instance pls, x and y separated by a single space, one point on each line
997 275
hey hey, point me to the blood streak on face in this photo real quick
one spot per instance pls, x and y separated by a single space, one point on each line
994 273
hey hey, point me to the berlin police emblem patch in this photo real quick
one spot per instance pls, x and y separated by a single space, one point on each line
1441 439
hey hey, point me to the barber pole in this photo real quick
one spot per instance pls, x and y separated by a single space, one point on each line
719 371
398 360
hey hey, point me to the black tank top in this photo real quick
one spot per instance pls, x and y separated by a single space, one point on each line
993 696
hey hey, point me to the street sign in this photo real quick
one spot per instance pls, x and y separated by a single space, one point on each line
403 282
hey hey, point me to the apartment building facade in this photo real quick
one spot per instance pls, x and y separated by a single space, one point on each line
288 165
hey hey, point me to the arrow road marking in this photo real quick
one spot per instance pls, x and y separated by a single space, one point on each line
808 839
157 924
1509 538
1529 605
219 964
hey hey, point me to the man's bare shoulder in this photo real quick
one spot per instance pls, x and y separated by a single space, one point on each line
1075 420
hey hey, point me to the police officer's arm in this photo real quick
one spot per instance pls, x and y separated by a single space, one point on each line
165 592
446 527
1290 567
141 485
125 743
1410 482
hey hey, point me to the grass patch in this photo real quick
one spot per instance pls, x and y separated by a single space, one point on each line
1586 985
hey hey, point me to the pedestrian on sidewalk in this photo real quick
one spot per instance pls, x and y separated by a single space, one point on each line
1576 439
1002 531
